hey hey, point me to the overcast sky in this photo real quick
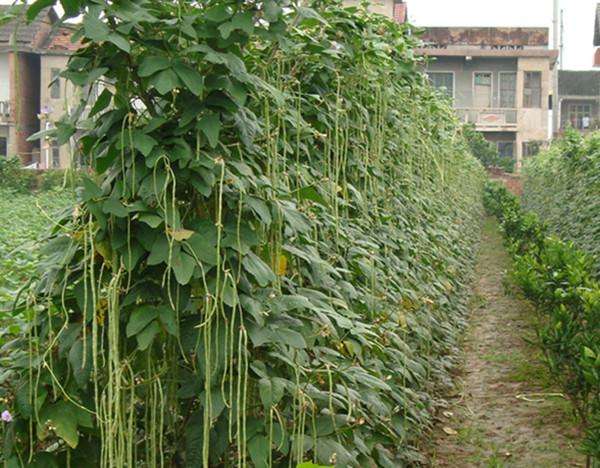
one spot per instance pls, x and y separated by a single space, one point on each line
578 20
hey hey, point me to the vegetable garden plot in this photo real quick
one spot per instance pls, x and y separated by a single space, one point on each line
271 265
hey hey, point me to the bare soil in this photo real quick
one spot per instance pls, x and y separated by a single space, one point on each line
505 412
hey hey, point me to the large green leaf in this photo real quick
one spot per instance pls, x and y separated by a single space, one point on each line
210 124
153 64
271 391
165 81
146 336
63 419
140 318
190 77
259 269
183 266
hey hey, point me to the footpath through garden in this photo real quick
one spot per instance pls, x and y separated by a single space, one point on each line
504 411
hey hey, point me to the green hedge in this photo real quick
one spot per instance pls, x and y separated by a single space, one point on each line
18 179
560 280
562 185
272 262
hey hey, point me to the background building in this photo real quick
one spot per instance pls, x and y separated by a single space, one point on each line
597 37
579 100
499 79
32 95
395 9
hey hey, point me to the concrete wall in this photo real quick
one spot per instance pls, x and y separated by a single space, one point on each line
54 109
463 75
533 122
4 78
384 7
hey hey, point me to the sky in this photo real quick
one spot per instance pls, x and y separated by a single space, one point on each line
578 20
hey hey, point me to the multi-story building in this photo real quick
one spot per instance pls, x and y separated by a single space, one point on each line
395 9
579 100
32 95
597 36
499 79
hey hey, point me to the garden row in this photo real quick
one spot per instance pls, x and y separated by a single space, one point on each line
562 185
271 263
561 281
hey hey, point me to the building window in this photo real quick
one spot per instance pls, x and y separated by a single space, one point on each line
55 156
506 149
3 146
580 115
531 148
532 89
482 90
442 81
55 83
508 90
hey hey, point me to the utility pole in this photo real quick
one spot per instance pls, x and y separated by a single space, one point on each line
562 37
556 34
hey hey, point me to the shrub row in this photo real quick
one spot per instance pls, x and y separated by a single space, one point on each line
271 263
14 177
562 185
560 280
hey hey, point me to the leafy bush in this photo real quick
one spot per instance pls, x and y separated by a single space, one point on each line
560 280
24 220
486 151
271 262
562 185
14 177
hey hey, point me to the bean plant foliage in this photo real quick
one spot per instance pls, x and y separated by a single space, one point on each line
269 265
562 184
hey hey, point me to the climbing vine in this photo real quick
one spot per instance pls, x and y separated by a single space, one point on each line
269 263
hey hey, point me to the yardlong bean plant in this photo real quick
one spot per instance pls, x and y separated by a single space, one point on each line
268 264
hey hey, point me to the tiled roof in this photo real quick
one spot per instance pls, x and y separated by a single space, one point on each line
59 41
26 36
578 83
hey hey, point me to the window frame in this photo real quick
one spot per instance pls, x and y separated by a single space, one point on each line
444 72
487 72
507 142
500 93
579 114
54 155
532 105
55 83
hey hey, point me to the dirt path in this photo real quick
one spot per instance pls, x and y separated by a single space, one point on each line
490 422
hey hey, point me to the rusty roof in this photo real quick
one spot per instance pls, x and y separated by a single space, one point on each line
486 36
45 34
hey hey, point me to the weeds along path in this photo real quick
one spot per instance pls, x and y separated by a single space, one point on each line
495 419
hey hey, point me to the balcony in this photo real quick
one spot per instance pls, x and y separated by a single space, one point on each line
490 119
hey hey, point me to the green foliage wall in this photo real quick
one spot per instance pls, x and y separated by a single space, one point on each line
486 151
272 263
562 185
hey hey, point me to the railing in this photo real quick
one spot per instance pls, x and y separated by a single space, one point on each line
490 118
